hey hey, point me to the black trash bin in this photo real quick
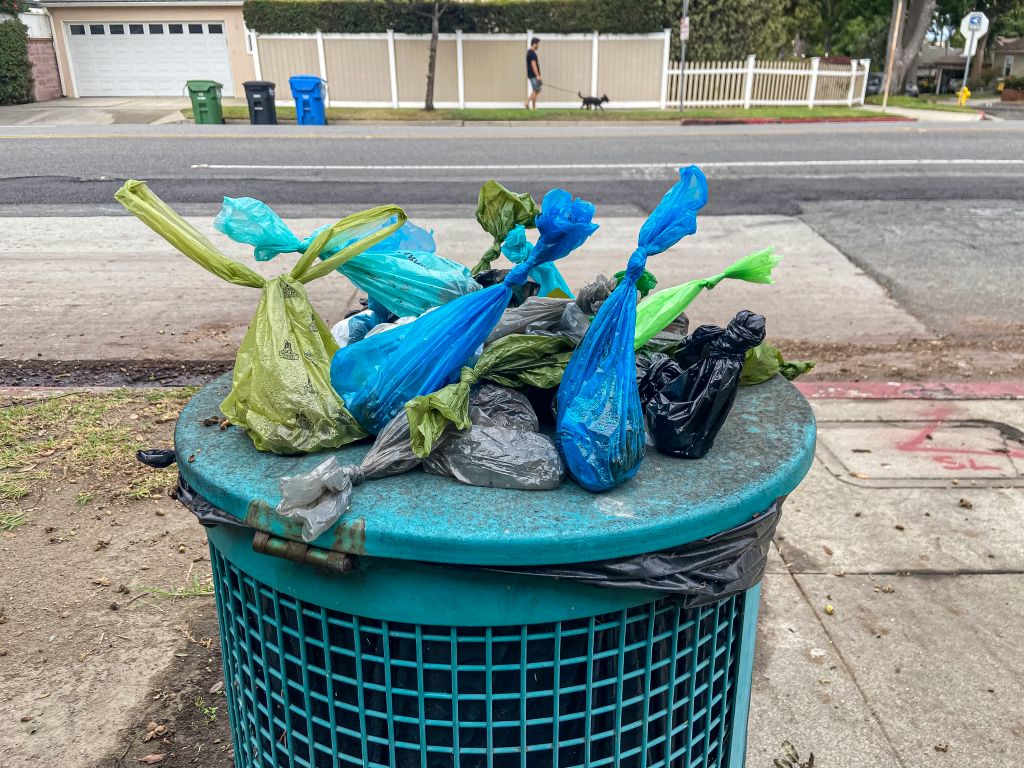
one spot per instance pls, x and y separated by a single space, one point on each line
260 95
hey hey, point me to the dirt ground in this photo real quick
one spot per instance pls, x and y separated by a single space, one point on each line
108 635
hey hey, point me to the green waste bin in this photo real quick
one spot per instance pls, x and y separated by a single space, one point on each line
206 103
409 635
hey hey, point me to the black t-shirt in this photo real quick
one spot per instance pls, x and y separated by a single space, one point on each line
531 55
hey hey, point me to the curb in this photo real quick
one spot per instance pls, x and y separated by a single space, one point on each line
778 120
893 390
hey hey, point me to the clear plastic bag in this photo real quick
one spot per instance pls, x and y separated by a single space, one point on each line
600 425
320 497
377 376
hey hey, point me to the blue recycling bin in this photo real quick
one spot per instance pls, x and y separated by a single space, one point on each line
308 93
403 637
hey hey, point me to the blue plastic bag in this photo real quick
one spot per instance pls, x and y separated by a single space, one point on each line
600 422
516 249
402 272
377 376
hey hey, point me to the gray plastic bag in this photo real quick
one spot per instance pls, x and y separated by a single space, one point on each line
320 497
503 448
499 457
491 405
544 315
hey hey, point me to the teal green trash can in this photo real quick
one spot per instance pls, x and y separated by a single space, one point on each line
409 635
207 108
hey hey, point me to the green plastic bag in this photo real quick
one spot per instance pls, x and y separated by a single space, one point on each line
658 310
281 391
512 361
499 211
764 361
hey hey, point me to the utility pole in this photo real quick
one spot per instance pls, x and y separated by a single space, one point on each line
892 53
684 35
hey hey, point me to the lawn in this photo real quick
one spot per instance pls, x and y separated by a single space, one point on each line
518 114
922 102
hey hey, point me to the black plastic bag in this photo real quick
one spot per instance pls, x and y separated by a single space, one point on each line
699 573
684 412
520 293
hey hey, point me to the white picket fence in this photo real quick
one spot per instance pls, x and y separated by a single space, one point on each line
751 83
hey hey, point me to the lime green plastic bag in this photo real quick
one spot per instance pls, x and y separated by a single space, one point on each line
281 391
764 361
499 211
512 361
655 312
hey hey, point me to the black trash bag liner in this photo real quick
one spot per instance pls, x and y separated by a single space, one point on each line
520 293
695 574
207 514
685 411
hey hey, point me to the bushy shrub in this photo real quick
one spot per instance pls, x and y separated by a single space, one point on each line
15 68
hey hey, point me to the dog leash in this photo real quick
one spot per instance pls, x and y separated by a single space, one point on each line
555 87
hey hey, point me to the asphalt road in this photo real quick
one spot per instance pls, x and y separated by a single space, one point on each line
753 169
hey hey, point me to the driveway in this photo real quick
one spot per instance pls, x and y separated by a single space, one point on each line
100 111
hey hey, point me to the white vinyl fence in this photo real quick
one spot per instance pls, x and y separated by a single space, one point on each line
489 70
751 83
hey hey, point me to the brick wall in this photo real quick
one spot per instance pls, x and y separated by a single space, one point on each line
46 85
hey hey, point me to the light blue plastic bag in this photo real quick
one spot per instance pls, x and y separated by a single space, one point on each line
402 272
600 422
517 248
377 376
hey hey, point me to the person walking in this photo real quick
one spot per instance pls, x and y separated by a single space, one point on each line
533 73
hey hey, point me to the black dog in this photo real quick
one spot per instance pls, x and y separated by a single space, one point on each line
592 102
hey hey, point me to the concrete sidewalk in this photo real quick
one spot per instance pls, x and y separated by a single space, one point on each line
179 311
929 115
100 111
908 526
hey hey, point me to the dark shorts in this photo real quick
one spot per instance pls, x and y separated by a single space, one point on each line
535 84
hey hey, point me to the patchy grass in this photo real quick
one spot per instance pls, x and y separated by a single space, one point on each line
909 102
195 587
86 438
11 520
518 114
208 711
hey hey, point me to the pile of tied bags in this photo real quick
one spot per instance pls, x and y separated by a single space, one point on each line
494 377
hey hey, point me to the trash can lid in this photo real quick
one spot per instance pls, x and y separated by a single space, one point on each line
258 84
304 82
763 451
203 85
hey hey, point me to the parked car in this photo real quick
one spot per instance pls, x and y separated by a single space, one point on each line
875 82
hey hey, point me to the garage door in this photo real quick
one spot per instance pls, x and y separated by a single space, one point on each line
147 59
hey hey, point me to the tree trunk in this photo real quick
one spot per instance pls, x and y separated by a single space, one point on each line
978 62
435 30
917 19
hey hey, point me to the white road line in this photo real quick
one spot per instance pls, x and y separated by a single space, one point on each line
618 166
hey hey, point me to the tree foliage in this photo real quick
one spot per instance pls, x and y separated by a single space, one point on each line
15 68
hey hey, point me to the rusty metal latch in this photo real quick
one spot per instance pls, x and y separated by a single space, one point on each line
335 562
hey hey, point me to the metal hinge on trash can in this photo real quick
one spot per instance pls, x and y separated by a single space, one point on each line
336 562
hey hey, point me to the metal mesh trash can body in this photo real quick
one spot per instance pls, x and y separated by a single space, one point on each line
207 108
418 658
259 94
308 93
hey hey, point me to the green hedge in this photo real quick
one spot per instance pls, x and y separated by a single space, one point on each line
721 29
15 69
510 16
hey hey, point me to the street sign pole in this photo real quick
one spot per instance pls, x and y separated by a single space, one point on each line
970 55
684 35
